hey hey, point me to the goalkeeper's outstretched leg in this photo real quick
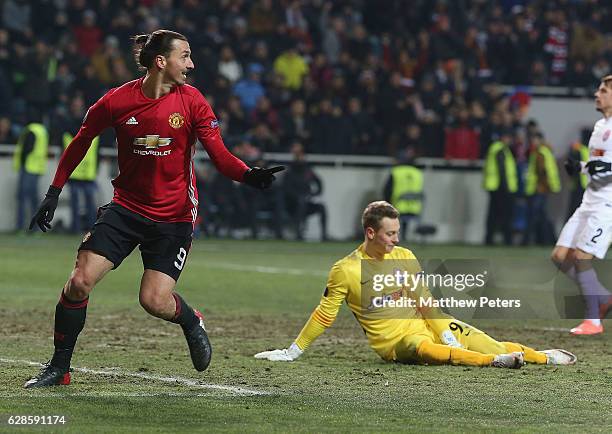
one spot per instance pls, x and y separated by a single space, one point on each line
473 347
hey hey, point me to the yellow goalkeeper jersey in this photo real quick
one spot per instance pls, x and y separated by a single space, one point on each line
344 283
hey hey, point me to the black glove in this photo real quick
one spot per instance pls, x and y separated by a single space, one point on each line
261 178
598 167
45 212
572 166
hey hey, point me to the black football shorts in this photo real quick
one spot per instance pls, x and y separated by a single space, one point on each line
117 231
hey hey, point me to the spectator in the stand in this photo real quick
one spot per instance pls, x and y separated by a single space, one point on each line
578 75
429 114
261 56
249 90
394 107
90 86
557 45
301 186
337 90
238 121
411 139
264 18
6 62
600 68
607 50
265 113
6 50
586 42
320 71
16 17
296 125
474 55
228 66
331 130
221 90
277 92
358 45
333 33
538 75
499 49
445 44
212 37
462 139
478 117
364 131
406 65
39 76
87 34
7 131
64 82
103 61
296 22
122 26
239 38
74 61
164 12
527 43
309 92
292 66
262 137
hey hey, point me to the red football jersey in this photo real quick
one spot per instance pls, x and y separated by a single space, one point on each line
155 144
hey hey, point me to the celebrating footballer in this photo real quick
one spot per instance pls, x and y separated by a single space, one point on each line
157 119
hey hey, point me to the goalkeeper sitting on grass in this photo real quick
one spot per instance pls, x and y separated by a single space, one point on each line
417 335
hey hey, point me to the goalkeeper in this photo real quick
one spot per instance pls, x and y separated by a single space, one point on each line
424 336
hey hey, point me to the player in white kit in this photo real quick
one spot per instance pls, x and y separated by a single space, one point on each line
588 232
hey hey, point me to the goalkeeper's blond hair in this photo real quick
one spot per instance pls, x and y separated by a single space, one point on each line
375 212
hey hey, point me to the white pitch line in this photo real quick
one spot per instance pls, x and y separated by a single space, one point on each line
174 380
107 395
265 269
551 329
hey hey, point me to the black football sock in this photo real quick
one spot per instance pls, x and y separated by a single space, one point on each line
69 321
184 314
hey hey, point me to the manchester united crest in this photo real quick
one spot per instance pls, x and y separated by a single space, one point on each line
176 120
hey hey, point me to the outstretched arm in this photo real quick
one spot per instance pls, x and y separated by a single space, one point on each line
227 163
321 318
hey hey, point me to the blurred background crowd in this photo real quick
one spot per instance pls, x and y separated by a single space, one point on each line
341 77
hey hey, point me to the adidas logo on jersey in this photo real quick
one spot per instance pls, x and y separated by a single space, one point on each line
132 121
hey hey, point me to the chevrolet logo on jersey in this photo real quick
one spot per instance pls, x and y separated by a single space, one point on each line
152 142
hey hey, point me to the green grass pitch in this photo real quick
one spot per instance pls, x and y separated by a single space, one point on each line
256 295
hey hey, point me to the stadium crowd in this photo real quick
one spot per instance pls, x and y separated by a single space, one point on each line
342 77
